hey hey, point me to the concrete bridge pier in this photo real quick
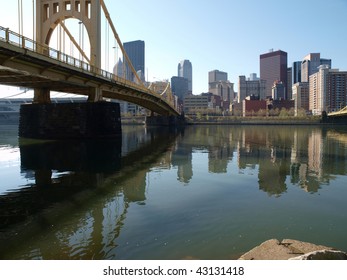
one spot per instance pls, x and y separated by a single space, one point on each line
42 95
86 120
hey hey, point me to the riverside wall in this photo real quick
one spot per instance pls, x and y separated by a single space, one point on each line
171 121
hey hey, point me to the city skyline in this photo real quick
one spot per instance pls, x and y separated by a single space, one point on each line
230 40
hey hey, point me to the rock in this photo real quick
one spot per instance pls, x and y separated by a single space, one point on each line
274 249
323 255
268 250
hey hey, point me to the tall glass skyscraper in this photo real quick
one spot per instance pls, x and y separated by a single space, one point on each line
136 53
296 72
185 70
179 87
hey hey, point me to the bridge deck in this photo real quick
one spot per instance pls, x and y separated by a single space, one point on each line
21 64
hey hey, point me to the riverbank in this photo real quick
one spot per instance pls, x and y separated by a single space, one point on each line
141 120
311 121
227 120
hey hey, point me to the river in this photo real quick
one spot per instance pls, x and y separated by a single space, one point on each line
203 192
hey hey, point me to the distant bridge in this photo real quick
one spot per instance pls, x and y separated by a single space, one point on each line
336 117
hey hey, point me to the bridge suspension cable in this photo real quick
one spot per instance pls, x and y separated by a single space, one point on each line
20 17
73 40
115 34
107 44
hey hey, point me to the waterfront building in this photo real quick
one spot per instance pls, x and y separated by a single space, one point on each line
179 87
224 89
280 104
317 91
214 101
301 96
310 65
273 67
136 53
185 70
253 107
251 87
278 91
336 90
193 102
328 90
218 84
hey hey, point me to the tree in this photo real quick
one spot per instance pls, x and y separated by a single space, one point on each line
283 113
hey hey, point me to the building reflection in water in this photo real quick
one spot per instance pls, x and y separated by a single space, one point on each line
90 186
182 159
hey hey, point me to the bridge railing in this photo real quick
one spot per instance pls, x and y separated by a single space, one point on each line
13 38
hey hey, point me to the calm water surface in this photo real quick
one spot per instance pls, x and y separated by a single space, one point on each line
205 192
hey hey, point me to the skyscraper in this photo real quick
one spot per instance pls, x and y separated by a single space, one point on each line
136 53
216 76
289 83
179 87
310 65
328 90
273 67
301 96
118 69
296 72
185 70
219 85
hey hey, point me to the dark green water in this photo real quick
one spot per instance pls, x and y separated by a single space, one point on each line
205 192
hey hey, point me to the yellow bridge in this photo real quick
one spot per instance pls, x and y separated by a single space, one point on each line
342 112
34 64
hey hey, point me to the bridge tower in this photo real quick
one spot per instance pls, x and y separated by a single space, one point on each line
51 13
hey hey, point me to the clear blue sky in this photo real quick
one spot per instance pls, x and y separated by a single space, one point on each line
227 35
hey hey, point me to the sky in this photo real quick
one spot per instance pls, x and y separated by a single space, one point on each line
225 35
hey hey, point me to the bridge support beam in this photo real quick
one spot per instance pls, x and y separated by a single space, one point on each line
95 95
70 120
42 96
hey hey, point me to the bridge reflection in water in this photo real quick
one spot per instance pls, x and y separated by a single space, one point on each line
70 173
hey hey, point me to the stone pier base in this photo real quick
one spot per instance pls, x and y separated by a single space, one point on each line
70 120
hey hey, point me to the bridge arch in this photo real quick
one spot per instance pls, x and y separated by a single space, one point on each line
51 13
